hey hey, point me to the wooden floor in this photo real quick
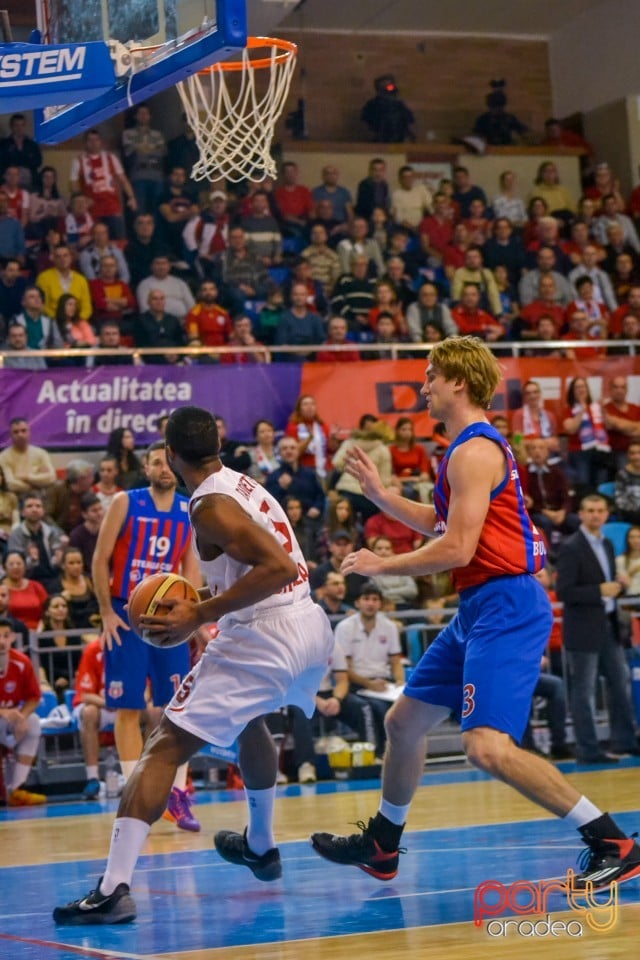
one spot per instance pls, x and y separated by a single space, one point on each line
464 829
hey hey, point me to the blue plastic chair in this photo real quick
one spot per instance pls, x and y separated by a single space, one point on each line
608 489
616 531
47 702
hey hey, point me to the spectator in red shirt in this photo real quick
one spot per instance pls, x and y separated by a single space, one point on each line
294 201
19 726
316 441
338 336
89 709
403 538
99 175
112 298
632 306
436 230
208 322
242 336
409 462
470 319
26 597
456 252
582 327
545 305
622 419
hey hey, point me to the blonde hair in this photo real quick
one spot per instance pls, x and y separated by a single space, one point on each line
469 359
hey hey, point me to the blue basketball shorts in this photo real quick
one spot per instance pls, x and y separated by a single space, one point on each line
128 667
485 664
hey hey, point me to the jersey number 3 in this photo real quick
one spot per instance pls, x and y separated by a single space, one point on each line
280 528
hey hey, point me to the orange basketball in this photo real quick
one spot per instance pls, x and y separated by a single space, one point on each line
146 600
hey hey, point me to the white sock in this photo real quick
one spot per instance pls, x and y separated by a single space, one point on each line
20 774
394 813
92 772
127 767
260 830
181 777
583 812
127 840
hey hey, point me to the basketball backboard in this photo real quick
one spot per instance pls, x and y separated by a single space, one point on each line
153 45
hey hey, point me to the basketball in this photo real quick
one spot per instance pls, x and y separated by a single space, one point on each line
147 598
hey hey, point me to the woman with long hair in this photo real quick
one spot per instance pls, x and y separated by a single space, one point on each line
316 441
26 597
77 590
560 202
58 665
75 331
507 203
9 513
340 516
589 448
47 208
264 458
387 302
121 446
536 209
409 462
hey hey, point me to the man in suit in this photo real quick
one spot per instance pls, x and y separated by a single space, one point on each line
588 588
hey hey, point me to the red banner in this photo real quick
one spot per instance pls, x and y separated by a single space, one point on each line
390 389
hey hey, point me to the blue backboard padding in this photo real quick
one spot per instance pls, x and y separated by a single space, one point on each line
45 75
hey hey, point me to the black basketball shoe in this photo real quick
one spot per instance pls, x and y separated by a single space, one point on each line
233 848
607 860
96 908
359 850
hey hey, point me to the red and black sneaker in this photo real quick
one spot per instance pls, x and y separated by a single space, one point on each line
607 860
358 850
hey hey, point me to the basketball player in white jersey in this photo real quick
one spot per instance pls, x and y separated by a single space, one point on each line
272 649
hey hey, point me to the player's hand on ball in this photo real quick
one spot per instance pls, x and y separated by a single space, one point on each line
362 561
178 621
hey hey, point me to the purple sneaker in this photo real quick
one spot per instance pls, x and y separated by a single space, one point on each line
179 811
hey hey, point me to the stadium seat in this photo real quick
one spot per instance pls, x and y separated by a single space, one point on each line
617 531
47 703
608 489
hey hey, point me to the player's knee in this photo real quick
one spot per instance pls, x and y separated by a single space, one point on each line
394 726
484 750
90 715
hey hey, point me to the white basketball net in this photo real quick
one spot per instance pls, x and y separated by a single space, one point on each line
234 131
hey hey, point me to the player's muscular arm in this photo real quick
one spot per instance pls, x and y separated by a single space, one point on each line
222 526
109 532
418 516
474 470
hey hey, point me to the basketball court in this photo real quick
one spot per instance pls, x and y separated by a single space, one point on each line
465 829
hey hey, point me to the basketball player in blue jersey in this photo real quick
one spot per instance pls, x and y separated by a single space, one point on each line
145 531
272 649
484 665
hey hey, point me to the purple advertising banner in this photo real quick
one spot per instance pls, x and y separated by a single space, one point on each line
76 407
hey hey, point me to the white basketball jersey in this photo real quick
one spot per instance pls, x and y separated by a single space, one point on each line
223 572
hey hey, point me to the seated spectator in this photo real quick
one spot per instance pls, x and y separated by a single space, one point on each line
106 486
264 459
316 440
581 238
340 516
84 536
61 279
373 438
546 331
26 597
622 419
588 267
207 321
354 297
632 306
339 196
429 311
323 261
474 272
373 191
545 304
411 201
508 293
465 191
90 712
143 151
436 230
533 422
536 210
399 591
19 725
623 276
178 299
341 545
386 334
359 243
110 339
293 480
410 464
301 273
504 249
582 327
545 266
587 302
628 563
271 313
242 337
507 205
113 299
370 642
403 538
611 213
64 499
100 246
74 330
9 513
470 319
18 199
98 174
551 689
41 331
299 327
16 342
304 531
263 231
78 223
294 201
548 235
41 543
336 229
177 206
156 327
143 247
617 244
478 223
233 453
387 303
58 664
548 497
12 287
627 494
19 150
330 595
41 254
19 628
456 252
589 447
333 700
399 275
244 276
338 336
558 199
26 466
12 236
121 447
77 588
